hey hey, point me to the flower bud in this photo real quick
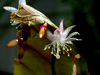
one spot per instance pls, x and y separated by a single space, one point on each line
13 43
42 31
74 69
21 51
16 42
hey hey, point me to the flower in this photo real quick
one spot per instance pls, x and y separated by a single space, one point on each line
61 40
27 15
14 12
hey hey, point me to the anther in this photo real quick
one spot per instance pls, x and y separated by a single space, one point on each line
45 48
70 49
58 44
59 49
63 48
53 44
68 54
51 52
55 54
10 22
67 49
48 47
63 52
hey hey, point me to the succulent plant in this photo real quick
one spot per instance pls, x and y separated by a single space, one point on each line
34 33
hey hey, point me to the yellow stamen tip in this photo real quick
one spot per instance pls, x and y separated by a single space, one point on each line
14 21
16 27
53 44
68 55
63 52
11 17
70 49
49 47
58 44
55 54
67 49
63 48
51 52
45 48
59 49
10 22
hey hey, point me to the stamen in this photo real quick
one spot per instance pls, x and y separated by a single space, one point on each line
67 49
48 47
58 44
63 48
68 54
55 54
63 52
70 49
54 45
45 48
14 21
51 52
54 50
10 22
59 49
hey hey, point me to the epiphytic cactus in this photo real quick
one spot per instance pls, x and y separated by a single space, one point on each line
32 41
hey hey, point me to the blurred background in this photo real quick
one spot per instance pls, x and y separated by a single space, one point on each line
82 13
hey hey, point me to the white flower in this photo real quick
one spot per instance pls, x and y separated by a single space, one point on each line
14 11
61 40
28 15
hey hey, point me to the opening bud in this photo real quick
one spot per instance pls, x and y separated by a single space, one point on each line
42 30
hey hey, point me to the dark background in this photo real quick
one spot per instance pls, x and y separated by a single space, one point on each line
82 13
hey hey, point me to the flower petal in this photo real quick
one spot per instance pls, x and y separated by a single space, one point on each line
57 32
50 36
15 23
73 34
22 2
73 39
69 42
66 32
61 26
10 9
